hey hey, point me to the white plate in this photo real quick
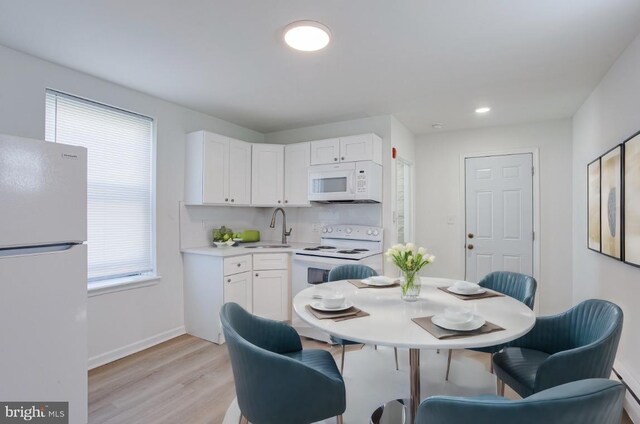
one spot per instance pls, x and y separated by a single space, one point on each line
320 307
474 324
379 280
452 289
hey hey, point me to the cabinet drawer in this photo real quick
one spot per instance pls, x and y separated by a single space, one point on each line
270 261
237 264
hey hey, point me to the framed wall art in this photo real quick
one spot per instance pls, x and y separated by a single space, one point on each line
610 203
631 203
593 202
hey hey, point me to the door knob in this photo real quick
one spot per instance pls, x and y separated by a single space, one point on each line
470 235
470 246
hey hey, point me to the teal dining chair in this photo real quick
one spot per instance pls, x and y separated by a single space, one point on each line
276 380
355 272
521 287
592 401
574 345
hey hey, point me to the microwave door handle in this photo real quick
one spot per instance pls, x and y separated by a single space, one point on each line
352 183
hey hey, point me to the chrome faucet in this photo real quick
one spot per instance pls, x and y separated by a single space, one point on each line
285 233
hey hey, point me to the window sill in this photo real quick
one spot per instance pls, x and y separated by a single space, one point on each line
98 288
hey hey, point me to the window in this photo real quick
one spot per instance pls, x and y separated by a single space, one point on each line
120 189
403 199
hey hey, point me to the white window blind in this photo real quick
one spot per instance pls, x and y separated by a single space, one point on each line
120 215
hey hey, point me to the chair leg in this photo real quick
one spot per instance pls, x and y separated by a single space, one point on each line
243 419
499 387
446 377
491 364
339 419
375 347
395 352
438 351
342 361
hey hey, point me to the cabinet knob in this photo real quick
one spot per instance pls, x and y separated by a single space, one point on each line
226 199
279 201
470 246
335 159
232 200
229 280
342 158
238 264
256 274
286 201
470 235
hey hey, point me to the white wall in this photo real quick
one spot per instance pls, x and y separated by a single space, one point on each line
609 116
438 195
129 320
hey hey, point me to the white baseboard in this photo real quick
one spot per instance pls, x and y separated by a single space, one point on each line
630 404
113 355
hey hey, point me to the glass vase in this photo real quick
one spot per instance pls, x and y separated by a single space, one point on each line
410 286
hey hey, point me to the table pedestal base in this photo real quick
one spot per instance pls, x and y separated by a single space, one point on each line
396 411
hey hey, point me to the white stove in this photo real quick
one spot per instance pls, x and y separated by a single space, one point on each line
339 244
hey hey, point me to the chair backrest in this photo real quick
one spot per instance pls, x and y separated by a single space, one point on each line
519 286
253 343
591 401
344 272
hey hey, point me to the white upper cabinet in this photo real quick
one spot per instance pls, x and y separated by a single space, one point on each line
347 149
267 174
325 151
296 170
217 170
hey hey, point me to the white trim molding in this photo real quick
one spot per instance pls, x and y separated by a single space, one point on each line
535 153
113 355
631 405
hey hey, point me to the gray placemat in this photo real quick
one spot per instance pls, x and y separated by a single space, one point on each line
350 313
488 293
442 333
359 284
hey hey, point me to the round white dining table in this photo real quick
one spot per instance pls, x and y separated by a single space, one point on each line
389 321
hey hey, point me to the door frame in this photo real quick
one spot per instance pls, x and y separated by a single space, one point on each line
535 160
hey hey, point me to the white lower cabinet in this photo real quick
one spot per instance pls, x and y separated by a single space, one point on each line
259 283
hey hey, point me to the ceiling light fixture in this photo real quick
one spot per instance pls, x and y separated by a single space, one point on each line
484 109
308 36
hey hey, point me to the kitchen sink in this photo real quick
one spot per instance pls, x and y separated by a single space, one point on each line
268 246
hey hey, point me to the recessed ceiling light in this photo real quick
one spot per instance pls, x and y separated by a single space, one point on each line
307 36
483 109
437 126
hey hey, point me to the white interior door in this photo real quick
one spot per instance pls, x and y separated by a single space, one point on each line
499 215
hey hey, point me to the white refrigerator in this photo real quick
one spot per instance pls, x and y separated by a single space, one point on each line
43 273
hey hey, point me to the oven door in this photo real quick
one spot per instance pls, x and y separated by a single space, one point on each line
311 270
332 182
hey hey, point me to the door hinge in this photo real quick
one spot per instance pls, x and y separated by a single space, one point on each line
533 170
533 235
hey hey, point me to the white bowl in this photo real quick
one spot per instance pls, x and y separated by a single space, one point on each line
466 287
456 315
333 300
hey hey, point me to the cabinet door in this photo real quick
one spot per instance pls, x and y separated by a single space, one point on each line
239 172
325 151
271 294
267 175
296 167
215 169
356 148
238 288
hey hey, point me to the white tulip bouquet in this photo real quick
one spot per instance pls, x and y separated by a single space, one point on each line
409 260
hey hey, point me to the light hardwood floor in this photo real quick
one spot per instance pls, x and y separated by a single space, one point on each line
185 380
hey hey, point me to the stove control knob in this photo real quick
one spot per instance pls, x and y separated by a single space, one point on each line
348 230
369 232
330 230
324 229
376 232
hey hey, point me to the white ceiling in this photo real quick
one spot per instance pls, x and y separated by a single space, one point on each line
424 61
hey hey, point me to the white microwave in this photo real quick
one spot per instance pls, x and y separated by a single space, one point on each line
350 182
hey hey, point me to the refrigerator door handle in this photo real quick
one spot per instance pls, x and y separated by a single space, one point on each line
36 250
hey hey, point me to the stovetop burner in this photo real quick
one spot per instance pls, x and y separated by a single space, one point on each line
319 248
350 251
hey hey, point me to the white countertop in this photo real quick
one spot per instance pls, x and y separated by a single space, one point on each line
224 252
389 322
